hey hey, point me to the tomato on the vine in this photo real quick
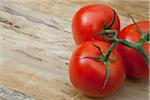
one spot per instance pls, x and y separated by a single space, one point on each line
91 20
135 64
88 75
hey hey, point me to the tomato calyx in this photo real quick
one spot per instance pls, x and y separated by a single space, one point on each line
105 59
106 27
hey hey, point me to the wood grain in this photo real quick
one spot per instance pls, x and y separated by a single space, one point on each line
9 94
36 43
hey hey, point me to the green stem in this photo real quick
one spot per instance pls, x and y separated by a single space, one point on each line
126 43
137 46
108 31
144 38
143 53
103 58
140 31
99 49
112 22
107 74
109 51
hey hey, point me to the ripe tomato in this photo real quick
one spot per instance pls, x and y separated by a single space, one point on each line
90 20
135 64
88 75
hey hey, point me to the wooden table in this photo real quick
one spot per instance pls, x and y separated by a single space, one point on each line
36 43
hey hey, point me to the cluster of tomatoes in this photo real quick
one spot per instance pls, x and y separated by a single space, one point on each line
99 64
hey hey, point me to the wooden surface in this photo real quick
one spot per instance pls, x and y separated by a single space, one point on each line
9 94
36 43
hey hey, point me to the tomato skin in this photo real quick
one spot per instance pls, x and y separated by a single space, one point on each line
135 64
88 75
90 20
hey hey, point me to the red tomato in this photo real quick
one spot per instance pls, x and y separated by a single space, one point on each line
135 64
90 20
88 75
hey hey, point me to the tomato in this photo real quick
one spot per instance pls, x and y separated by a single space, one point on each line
135 64
88 75
90 20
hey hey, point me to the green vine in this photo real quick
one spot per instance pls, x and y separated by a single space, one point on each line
112 35
139 46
